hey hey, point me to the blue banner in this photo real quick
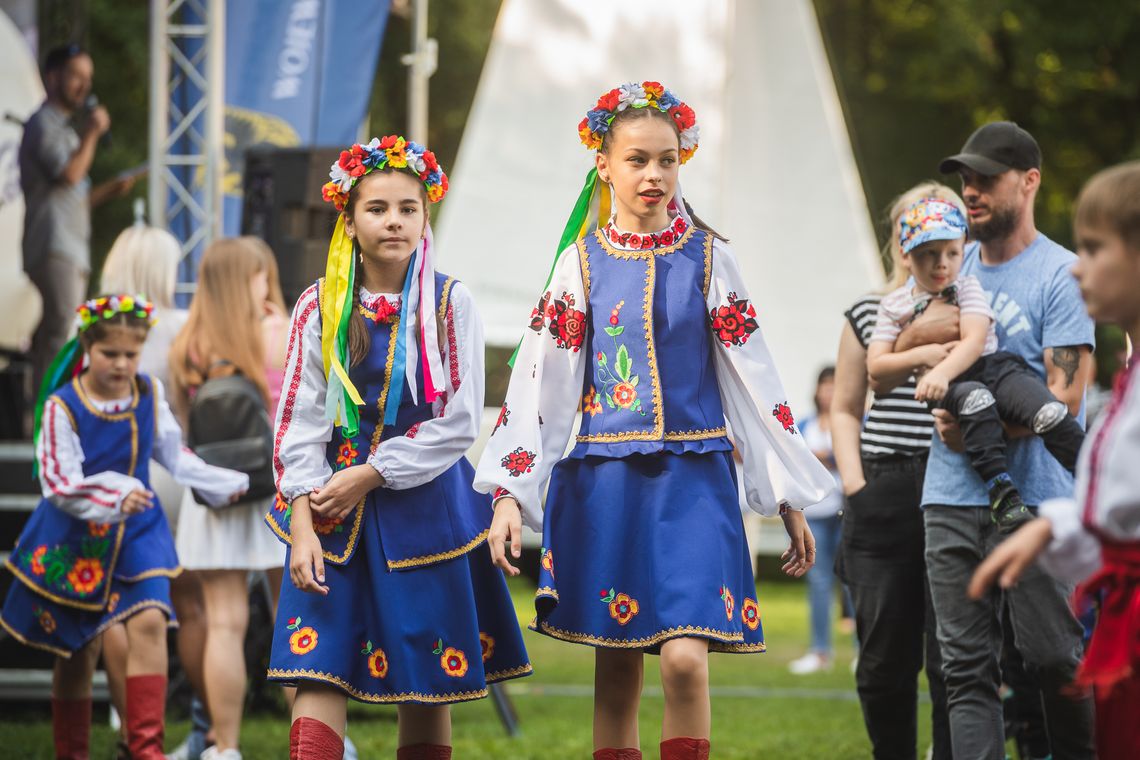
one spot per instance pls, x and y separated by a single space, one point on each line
298 73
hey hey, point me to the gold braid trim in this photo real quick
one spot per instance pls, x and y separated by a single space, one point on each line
429 559
648 253
444 295
719 641
696 435
584 263
708 249
547 592
163 572
133 610
409 696
64 408
505 675
117 416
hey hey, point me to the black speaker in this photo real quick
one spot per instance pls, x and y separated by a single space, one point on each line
282 205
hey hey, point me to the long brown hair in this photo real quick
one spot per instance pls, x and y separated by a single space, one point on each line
359 341
650 112
224 323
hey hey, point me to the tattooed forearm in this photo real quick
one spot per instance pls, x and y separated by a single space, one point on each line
1068 360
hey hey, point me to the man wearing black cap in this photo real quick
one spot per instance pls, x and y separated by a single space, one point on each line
1040 316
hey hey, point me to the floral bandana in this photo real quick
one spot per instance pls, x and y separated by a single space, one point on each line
391 152
930 219
639 95
417 338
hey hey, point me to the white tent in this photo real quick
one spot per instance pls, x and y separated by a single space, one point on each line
21 92
774 171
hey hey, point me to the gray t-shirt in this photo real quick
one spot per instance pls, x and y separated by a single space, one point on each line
57 215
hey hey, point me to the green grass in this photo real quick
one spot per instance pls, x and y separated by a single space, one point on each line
812 716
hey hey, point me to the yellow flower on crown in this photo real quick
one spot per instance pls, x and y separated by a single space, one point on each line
396 157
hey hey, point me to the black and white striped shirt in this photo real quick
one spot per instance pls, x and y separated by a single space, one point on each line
897 424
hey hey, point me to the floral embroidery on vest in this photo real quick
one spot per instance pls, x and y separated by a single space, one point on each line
62 570
733 322
783 414
590 403
619 384
346 455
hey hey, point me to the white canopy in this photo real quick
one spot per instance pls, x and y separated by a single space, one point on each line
774 171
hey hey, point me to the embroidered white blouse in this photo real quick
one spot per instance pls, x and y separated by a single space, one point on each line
779 469
98 497
302 431
1074 554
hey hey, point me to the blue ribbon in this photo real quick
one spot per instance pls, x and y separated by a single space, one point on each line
400 359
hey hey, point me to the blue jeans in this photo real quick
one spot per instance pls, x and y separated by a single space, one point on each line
821 580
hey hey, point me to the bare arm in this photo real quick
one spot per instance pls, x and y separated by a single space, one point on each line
1066 369
935 383
847 409
77 168
884 360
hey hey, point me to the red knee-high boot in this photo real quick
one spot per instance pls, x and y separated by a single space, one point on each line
71 728
685 748
310 739
625 753
424 752
146 710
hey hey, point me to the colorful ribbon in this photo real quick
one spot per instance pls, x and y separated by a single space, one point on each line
342 400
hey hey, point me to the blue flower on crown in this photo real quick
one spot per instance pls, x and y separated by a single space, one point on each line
667 100
599 120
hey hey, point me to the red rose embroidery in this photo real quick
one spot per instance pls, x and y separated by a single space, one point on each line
518 462
567 324
538 314
504 416
734 322
783 414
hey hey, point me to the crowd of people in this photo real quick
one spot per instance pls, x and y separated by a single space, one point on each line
931 505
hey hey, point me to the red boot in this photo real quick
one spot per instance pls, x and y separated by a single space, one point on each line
625 753
685 748
71 728
424 752
146 709
310 739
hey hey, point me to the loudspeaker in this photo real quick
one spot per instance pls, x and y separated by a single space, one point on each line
282 205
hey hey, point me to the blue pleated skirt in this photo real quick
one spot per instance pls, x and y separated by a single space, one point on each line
644 549
435 634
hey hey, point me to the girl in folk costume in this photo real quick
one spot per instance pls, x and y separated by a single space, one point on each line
383 396
98 550
646 327
1094 539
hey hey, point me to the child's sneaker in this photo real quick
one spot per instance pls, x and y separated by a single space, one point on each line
1007 510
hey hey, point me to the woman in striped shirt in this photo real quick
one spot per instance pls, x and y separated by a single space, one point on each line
881 461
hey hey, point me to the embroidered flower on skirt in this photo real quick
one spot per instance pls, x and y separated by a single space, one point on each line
85 575
377 660
487 643
98 530
750 613
452 660
623 608
729 602
733 322
548 561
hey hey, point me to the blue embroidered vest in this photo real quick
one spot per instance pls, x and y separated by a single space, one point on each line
439 520
72 561
650 384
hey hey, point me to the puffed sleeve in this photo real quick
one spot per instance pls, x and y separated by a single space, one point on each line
301 431
434 445
216 484
1074 554
59 455
542 401
779 468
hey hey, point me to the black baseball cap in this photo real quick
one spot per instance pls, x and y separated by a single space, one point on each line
995 148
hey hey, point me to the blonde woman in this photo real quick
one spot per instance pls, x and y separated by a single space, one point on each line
881 462
237 324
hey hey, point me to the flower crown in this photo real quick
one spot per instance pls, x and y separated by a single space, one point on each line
106 307
391 152
639 95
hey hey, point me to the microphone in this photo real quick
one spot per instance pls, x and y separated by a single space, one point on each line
90 103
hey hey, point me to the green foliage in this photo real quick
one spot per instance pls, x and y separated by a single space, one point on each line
917 77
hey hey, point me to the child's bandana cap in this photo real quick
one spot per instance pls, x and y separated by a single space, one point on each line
930 219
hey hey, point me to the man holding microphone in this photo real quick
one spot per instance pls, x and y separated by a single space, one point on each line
54 161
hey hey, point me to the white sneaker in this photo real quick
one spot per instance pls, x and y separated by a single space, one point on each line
181 752
812 662
212 753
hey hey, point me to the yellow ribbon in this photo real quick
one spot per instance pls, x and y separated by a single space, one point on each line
336 299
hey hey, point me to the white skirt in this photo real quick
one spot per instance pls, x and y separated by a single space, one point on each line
233 538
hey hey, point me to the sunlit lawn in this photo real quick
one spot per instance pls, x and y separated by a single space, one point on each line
813 716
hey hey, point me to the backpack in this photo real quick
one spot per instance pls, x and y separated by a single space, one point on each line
229 426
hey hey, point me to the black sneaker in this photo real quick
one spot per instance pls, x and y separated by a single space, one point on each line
1007 510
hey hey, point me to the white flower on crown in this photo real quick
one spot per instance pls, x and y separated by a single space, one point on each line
631 95
689 137
340 177
416 162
